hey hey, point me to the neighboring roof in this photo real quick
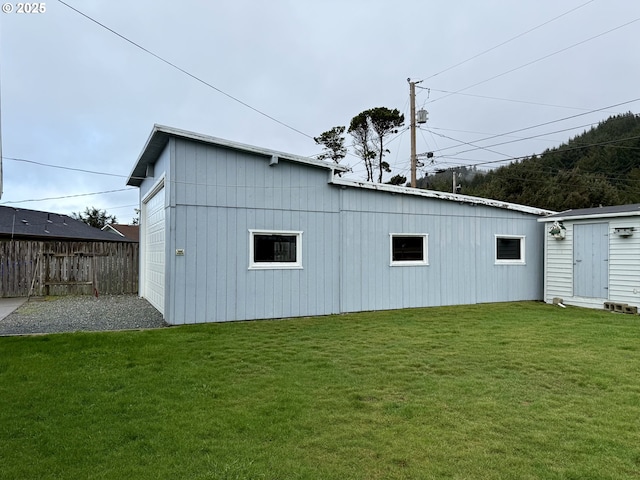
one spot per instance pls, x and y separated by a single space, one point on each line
454 197
598 212
132 232
21 223
160 135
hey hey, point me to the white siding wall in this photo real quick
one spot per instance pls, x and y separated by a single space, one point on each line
558 275
624 263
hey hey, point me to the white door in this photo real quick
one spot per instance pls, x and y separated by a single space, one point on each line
154 256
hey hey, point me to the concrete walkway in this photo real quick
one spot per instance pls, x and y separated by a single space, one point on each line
8 305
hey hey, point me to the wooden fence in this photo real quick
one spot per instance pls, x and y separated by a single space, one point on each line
37 268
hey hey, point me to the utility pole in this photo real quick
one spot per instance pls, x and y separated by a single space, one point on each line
414 158
420 117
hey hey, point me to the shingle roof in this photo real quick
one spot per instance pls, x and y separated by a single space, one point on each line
35 224
597 212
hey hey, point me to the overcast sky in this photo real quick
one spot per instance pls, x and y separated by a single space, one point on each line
74 93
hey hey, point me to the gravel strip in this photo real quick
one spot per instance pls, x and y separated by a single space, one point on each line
81 313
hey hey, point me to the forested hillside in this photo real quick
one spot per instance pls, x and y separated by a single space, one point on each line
599 167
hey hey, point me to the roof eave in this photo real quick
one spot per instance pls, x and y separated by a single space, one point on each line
114 230
592 216
440 195
152 149
160 135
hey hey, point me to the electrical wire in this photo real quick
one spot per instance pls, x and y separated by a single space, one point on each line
476 147
551 105
522 139
536 60
288 126
609 143
472 132
182 70
509 40
547 123
64 168
67 196
397 170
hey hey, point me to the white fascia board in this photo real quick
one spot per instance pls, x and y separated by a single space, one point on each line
454 197
109 227
593 216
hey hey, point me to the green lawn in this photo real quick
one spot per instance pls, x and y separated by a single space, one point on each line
521 391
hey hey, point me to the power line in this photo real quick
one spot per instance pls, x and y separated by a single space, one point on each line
476 147
486 133
547 123
537 60
509 100
180 69
400 170
63 167
509 40
522 139
574 171
609 143
68 196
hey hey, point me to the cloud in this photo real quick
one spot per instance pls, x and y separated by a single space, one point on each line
76 94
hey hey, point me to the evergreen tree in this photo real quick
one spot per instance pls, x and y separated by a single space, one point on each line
94 217
601 166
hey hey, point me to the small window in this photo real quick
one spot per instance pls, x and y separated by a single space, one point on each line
510 249
409 249
275 249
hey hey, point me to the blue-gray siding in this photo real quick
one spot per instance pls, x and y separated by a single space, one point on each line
461 252
216 195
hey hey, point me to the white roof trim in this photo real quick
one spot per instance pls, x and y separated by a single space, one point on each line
454 197
592 216
247 148
160 135
109 227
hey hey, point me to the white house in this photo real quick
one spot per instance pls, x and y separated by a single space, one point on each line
237 232
592 257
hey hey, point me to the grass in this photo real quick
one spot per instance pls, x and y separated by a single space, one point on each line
521 391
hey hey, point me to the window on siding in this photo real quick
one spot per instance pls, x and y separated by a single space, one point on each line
510 249
275 249
409 249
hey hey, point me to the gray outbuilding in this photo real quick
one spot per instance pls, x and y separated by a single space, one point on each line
592 257
236 232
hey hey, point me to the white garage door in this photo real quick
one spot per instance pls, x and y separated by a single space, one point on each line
154 251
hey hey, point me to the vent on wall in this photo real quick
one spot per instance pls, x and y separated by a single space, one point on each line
624 231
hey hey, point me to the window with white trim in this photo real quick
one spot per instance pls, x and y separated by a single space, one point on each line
274 249
409 249
510 249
